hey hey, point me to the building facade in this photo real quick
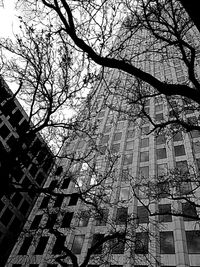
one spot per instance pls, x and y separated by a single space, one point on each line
119 186
22 167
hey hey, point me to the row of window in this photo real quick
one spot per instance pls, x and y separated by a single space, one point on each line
117 246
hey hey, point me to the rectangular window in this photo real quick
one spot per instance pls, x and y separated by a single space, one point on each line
127 159
67 219
130 134
6 217
117 246
196 147
129 145
160 139
162 169
84 219
142 214
159 117
178 137
145 142
121 216
25 245
163 189
73 199
58 245
189 211
41 245
179 150
167 243
164 213
36 222
159 108
51 220
58 201
45 202
115 148
144 172
145 130
104 139
102 217
124 194
117 136
144 156
78 244
141 243
125 174
97 238
65 184
193 242
161 153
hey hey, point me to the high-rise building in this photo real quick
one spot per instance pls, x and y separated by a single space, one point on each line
23 168
120 186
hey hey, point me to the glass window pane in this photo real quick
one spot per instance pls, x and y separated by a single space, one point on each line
142 214
179 150
144 156
193 241
141 243
144 172
124 194
164 213
167 243
145 142
77 244
161 153
121 216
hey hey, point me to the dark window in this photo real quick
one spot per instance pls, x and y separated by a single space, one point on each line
142 214
104 139
144 156
4 131
160 139
45 202
51 220
179 150
1 205
6 217
115 148
130 134
33 170
97 238
128 159
167 243
195 134
145 142
141 243
117 246
58 246
16 199
101 217
58 202
122 215
163 189
161 153
65 183
24 207
41 245
25 245
117 136
67 219
73 199
36 221
178 137
164 213
159 117
190 211
40 178
193 242
144 172
11 142
77 244
16 223
84 219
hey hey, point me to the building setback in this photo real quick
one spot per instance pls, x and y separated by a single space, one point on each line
127 191
23 165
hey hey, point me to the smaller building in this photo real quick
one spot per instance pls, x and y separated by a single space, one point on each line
25 161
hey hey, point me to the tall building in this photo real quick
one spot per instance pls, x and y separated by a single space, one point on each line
22 167
122 175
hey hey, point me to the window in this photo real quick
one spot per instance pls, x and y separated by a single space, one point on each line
84 219
160 139
121 216
164 213
129 145
77 244
16 223
195 134
45 202
104 139
101 217
107 129
161 153
145 142
16 199
117 246
167 243
51 220
142 214
73 199
58 246
97 238
130 134
196 147
161 169
124 194
163 189
178 137
24 207
67 219
58 202
65 184
145 130
179 150
125 174
41 245
4 131
141 243
115 148
53 185
159 117
6 217
193 242
36 222
158 108
25 245
128 159
144 156
144 172
190 211
117 136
